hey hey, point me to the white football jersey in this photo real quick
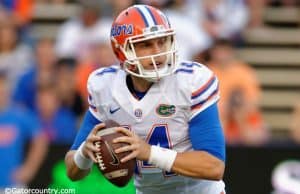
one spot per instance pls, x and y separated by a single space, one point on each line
161 118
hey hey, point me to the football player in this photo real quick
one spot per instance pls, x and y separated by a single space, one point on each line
168 110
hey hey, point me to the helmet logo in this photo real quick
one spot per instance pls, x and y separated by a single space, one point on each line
125 29
153 29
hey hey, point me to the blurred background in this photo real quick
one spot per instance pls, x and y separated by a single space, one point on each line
49 47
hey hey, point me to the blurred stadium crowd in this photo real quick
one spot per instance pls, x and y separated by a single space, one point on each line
43 77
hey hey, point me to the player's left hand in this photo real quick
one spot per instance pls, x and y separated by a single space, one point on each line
139 148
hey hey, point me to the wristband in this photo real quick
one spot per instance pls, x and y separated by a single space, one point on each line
80 160
162 158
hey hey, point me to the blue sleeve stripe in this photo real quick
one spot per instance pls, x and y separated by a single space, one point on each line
184 70
88 123
107 70
206 133
204 88
189 64
199 104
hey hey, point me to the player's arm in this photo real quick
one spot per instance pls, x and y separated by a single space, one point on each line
81 157
207 159
199 164
205 131
206 135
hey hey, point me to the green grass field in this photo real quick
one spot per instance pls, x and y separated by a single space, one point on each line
94 183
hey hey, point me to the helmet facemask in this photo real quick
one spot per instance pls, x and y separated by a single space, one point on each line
133 61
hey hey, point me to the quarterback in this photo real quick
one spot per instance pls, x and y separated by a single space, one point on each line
167 109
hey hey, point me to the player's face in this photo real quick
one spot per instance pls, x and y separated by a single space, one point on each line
152 47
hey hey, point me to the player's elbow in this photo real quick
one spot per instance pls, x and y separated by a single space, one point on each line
213 170
70 172
72 175
217 171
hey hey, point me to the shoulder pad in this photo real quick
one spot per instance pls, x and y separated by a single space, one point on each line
100 77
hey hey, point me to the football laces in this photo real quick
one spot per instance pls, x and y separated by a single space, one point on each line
99 157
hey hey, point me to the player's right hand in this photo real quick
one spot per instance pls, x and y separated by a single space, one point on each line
89 147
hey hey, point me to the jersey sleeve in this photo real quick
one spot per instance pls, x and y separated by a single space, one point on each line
87 125
92 98
205 89
98 91
92 105
206 133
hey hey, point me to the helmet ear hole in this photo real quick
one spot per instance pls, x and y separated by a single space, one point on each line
117 54
120 55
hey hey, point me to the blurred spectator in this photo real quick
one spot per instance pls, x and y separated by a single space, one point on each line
257 8
117 6
15 57
19 11
77 34
222 18
20 14
66 86
155 3
59 123
52 1
101 55
42 71
17 128
82 73
240 91
190 36
295 125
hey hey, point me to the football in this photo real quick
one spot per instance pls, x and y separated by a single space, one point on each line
109 162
